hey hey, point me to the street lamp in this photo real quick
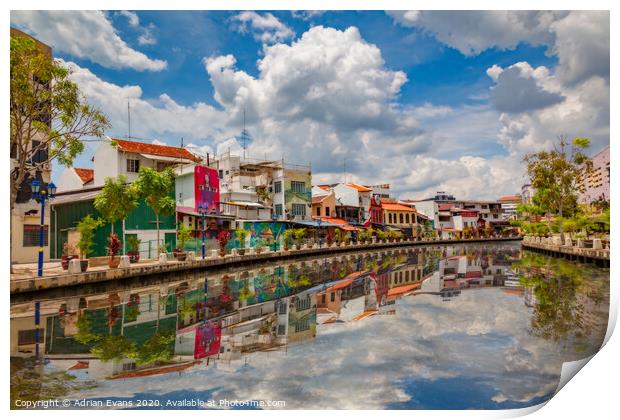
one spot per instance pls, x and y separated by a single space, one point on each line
202 210
320 239
41 193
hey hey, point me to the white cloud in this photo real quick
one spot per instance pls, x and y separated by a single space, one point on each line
159 118
265 28
85 34
132 18
306 15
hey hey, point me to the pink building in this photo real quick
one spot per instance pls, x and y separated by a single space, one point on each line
595 185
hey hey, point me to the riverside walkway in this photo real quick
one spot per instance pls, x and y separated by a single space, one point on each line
594 251
24 278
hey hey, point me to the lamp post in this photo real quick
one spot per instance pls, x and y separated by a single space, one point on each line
41 193
320 239
202 210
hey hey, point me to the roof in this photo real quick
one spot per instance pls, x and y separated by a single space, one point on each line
510 198
399 290
155 149
324 187
365 314
86 175
396 207
360 188
316 199
79 365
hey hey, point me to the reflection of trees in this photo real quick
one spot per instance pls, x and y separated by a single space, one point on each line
30 383
559 288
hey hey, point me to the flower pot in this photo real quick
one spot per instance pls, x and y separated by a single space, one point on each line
134 256
114 261
84 265
222 252
179 254
64 260
241 251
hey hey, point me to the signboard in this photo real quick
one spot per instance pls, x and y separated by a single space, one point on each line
207 189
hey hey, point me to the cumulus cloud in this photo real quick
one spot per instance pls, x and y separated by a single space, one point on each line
306 14
161 117
86 34
472 32
265 28
520 88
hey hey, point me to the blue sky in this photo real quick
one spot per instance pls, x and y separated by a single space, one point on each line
426 101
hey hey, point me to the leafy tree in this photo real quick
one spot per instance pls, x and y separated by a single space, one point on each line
85 334
155 188
49 116
86 227
555 175
113 347
158 348
116 200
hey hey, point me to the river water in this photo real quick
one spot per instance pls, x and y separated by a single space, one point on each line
482 326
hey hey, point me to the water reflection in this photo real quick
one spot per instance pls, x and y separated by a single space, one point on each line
482 326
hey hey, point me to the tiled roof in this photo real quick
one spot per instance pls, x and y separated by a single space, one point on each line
444 207
316 199
510 198
155 149
86 175
396 207
79 365
360 188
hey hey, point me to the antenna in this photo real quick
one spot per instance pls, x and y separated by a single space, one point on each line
128 121
181 141
245 136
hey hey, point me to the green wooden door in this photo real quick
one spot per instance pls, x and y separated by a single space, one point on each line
170 239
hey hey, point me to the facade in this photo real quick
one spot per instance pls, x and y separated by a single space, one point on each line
26 216
323 203
124 157
509 206
400 216
527 193
76 179
594 185
253 189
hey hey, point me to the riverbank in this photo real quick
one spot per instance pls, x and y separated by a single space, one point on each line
56 279
573 251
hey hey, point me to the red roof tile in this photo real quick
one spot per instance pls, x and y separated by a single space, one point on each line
155 149
360 188
396 207
86 175
79 365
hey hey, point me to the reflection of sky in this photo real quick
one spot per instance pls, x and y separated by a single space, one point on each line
474 351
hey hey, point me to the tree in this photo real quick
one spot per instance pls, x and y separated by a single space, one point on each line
555 174
155 188
116 200
49 116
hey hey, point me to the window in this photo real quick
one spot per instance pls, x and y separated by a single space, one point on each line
31 235
303 304
278 209
298 187
26 337
323 299
401 218
318 211
298 209
133 165
302 325
129 366
326 211
332 298
390 217
221 173
281 329
277 187
407 218
282 308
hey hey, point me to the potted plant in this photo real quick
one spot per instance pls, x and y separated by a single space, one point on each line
113 246
183 235
381 235
222 239
329 239
86 227
241 234
68 253
258 246
287 238
299 235
134 248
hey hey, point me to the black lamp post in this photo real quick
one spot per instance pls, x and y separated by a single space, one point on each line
41 193
320 221
274 217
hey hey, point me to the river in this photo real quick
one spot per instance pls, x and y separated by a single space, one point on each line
482 326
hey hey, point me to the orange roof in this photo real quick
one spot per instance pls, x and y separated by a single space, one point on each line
360 188
365 314
79 365
324 187
396 207
510 198
155 149
316 199
402 289
86 175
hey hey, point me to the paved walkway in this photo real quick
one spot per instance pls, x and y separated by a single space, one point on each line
54 268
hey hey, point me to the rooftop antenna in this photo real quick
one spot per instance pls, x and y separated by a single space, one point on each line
128 121
181 142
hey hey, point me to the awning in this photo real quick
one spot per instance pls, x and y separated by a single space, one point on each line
315 223
245 204
166 158
191 212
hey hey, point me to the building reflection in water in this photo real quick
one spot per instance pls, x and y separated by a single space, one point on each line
166 328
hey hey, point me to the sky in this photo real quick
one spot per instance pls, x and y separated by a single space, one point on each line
426 101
